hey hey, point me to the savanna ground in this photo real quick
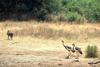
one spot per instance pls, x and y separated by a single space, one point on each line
39 44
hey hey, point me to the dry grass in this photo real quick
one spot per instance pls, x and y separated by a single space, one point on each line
52 30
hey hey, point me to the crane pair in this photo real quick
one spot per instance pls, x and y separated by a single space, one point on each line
72 49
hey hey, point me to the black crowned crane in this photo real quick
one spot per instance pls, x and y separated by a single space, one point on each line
77 50
68 48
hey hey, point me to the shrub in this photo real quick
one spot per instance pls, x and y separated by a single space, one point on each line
62 18
91 51
73 16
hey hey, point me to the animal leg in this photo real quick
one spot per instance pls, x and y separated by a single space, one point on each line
68 55
11 37
77 55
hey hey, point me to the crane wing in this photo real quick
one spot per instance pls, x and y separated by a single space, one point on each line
79 50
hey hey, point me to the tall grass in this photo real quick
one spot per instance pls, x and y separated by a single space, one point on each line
51 30
91 52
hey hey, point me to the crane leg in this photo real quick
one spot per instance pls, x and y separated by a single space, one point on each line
68 56
77 55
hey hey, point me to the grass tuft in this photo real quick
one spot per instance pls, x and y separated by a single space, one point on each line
91 51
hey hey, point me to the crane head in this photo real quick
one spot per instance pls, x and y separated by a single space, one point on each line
73 44
62 41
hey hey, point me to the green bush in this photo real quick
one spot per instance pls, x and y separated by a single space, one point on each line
91 51
73 16
89 9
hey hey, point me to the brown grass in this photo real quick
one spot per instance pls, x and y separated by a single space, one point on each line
51 30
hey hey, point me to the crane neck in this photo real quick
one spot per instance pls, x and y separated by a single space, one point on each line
73 48
63 44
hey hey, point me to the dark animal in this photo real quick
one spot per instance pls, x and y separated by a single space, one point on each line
10 34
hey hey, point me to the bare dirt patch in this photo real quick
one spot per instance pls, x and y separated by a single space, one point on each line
37 53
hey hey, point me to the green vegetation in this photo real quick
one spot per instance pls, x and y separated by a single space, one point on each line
68 10
91 51
86 9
